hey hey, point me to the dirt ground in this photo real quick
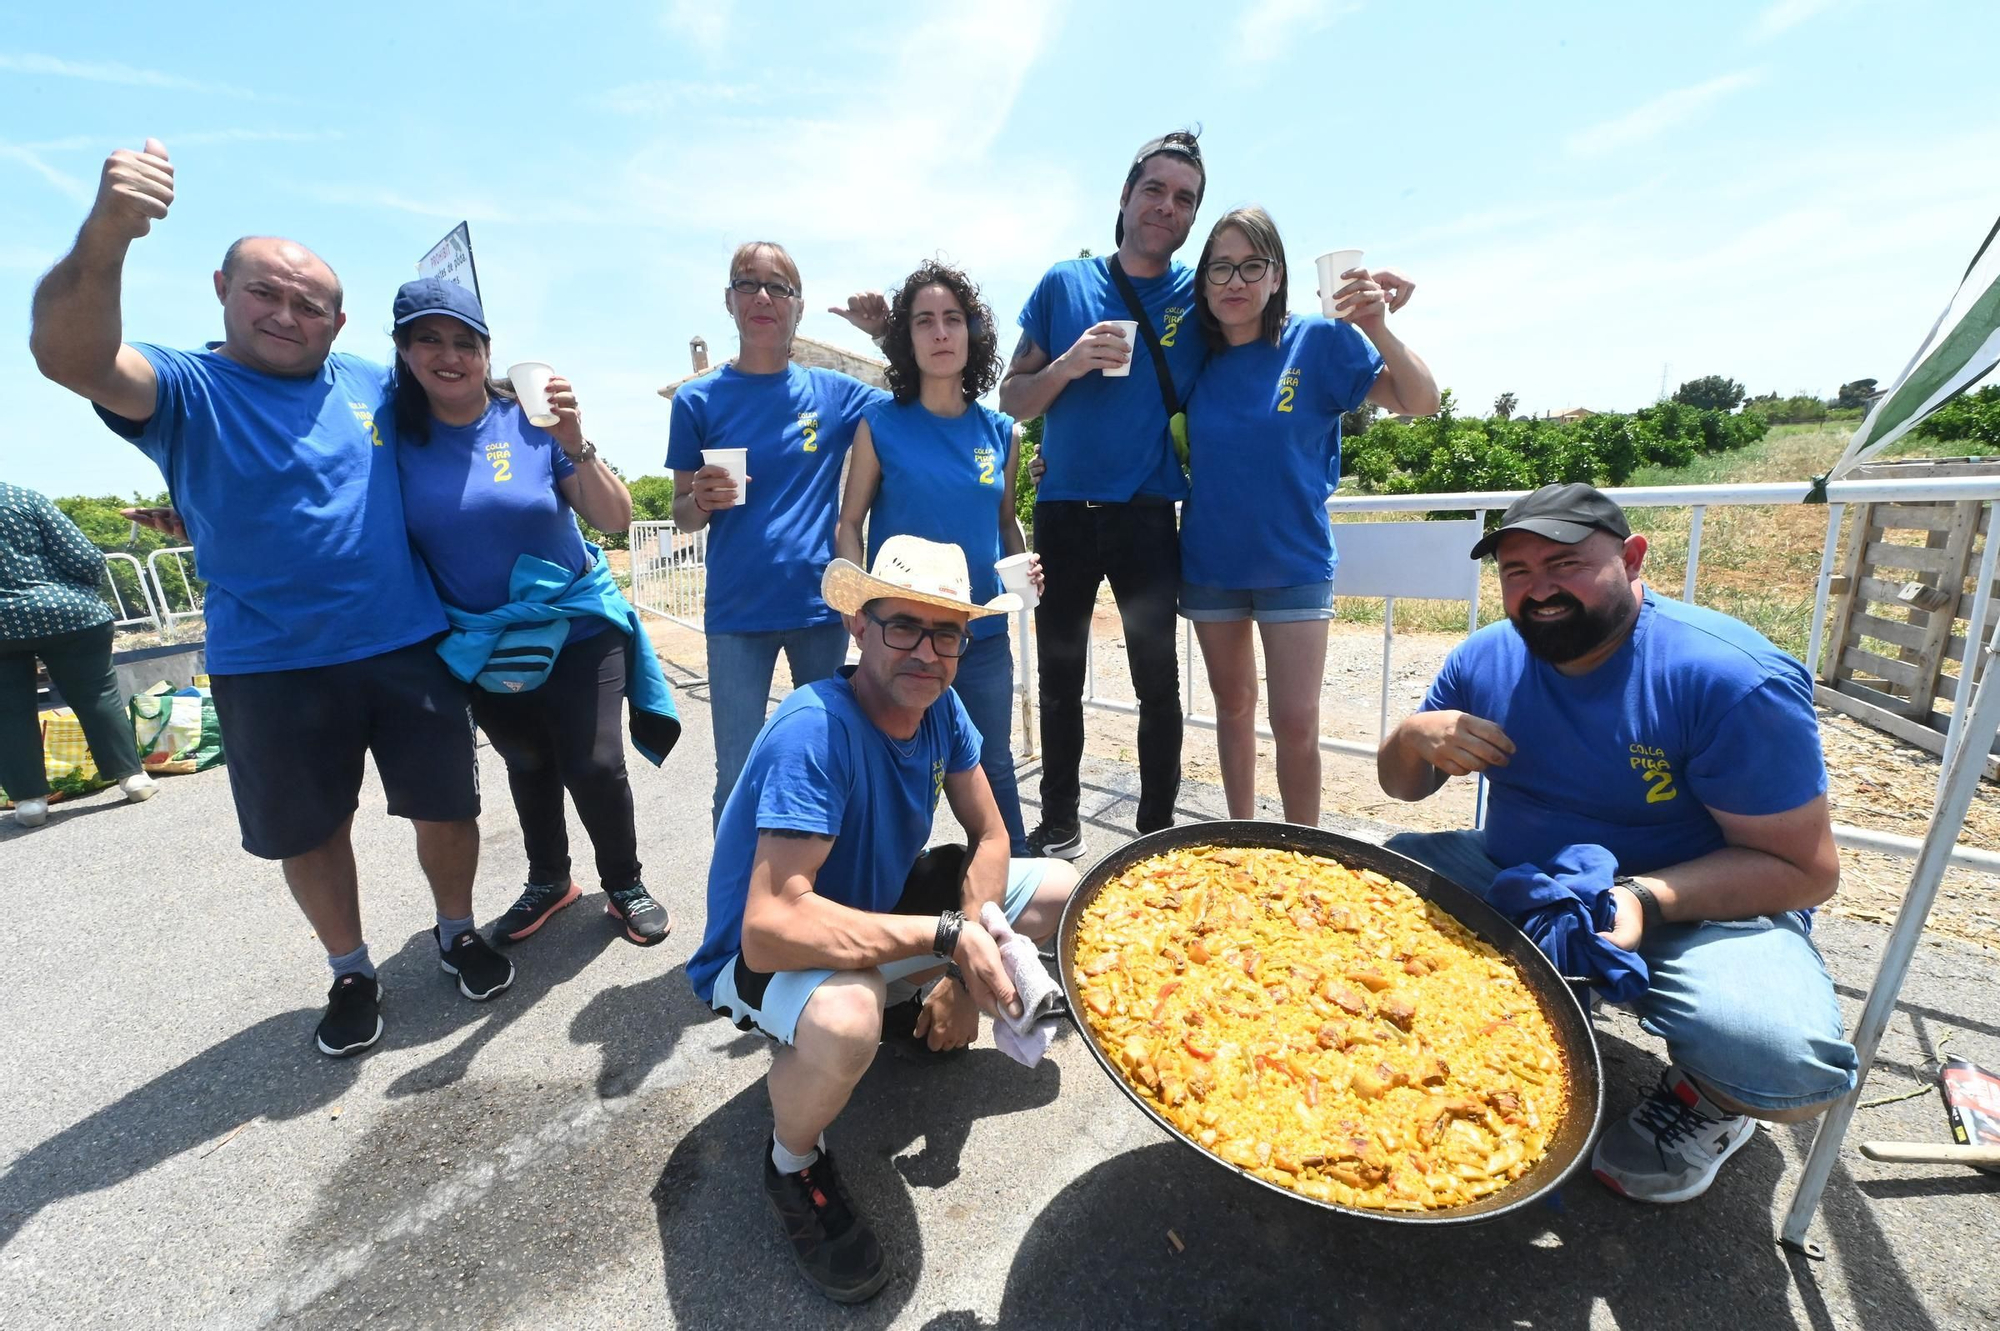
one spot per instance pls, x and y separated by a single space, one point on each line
1877 782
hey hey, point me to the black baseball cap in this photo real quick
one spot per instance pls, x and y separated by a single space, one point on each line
434 295
1564 513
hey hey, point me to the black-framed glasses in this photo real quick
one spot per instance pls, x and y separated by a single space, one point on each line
750 286
904 636
1220 271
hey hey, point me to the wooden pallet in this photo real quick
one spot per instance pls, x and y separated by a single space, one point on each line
1899 617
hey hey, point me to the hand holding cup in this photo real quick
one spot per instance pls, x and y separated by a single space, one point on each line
723 477
568 429
1105 347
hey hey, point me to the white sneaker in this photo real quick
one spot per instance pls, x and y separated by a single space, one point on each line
137 787
1670 1148
31 813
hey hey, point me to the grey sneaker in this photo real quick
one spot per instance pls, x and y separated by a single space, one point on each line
1671 1146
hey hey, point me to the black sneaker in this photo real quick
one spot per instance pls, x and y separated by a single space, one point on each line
646 920
899 1032
353 1019
833 1246
538 901
1058 843
481 971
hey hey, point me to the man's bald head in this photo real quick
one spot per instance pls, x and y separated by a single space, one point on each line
280 306
288 251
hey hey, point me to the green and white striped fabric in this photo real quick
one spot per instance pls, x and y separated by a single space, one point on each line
1961 348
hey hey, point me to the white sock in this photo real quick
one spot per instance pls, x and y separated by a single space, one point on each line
788 1163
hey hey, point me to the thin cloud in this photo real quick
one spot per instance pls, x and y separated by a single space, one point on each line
63 182
110 71
1269 28
1786 15
704 23
1659 115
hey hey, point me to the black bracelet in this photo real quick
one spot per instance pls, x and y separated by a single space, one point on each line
952 971
945 943
1650 917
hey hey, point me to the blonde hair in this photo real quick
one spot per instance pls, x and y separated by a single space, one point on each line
781 259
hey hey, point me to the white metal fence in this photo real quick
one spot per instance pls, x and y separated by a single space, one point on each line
668 579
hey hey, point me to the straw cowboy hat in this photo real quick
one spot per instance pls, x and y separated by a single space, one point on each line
910 568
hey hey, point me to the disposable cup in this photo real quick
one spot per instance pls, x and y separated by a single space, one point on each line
1331 266
734 461
1129 330
1013 572
531 384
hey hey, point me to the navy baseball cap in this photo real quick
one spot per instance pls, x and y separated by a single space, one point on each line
434 295
1562 513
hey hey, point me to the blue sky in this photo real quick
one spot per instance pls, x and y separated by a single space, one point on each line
1585 194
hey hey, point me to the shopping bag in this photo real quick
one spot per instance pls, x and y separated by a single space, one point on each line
176 729
66 759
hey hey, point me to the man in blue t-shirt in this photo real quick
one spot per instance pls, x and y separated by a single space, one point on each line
824 908
1684 743
320 617
1104 506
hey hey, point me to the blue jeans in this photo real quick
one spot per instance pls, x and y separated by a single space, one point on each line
985 684
1744 1005
739 687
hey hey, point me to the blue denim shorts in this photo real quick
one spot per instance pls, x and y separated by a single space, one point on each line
1266 605
1744 1005
773 1003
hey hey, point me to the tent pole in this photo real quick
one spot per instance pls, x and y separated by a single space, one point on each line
1833 512
1961 778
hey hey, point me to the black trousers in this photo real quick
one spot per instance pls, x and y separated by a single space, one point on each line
1137 547
80 666
569 734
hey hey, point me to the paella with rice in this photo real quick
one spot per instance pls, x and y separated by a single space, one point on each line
1324 1028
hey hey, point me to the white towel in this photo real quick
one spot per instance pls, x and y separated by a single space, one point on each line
1024 1038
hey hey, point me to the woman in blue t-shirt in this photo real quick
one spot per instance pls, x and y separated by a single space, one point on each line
935 463
1264 434
770 539
481 488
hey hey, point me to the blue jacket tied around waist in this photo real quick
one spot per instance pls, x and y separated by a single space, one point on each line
1561 906
511 649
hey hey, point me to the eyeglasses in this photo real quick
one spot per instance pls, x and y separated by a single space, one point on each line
904 637
1220 271
748 286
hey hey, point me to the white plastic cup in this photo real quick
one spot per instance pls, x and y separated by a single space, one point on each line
1129 330
1331 265
734 461
1013 572
531 384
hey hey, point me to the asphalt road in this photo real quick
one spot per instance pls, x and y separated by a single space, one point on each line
584 1151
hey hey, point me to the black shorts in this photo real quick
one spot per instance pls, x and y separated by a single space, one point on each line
295 742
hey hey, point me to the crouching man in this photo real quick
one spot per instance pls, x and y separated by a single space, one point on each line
1685 744
822 899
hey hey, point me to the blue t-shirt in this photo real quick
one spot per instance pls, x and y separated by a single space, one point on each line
1106 439
820 765
1695 711
1263 441
943 479
292 502
477 497
765 555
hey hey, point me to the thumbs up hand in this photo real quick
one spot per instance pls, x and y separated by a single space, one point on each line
135 190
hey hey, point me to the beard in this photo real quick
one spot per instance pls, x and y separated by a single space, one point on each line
1577 634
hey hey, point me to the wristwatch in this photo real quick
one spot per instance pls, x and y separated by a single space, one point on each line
584 454
1649 905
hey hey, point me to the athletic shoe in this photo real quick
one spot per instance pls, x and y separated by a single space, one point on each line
481 971
646 920
537 902
899 1032
31 813
833 1246
353 1019
137 787
1669 1148
1058 843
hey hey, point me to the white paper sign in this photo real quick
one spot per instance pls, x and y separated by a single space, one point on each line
451 259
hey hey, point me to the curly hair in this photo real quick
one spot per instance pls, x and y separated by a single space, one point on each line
982 359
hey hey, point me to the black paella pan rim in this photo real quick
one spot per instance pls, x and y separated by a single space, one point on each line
1574 1038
